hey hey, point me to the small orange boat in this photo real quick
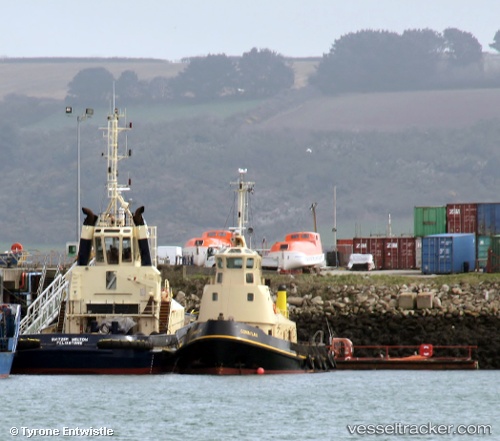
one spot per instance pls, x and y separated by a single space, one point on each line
421 357
199 250
298 250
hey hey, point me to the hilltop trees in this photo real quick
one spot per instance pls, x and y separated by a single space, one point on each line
383 61
90 86
257 74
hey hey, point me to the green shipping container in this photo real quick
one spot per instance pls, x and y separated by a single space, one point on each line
494 256
429 220
483 244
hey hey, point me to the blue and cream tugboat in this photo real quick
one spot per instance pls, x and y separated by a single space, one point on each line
240 329
110 313
10 319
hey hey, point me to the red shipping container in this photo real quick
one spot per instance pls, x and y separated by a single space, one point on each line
461 218
399 253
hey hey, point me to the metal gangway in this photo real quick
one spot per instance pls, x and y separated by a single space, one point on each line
45 309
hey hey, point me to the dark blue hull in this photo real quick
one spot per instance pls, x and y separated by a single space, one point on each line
224 347
88 354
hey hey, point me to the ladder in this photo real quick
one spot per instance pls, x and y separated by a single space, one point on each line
45 309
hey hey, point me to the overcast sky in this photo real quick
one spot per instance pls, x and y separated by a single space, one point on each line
173 29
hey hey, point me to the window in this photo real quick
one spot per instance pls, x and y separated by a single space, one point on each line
235 262
250 262
215 297
219 263
99 252
110 279
249 277
219 277
250 296
112 247
127 250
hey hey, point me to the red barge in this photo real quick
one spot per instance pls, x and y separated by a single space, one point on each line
402 357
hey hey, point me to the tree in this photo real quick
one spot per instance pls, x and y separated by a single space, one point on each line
159 89
206 78
91 86
263 73
128 87
462 47
496 42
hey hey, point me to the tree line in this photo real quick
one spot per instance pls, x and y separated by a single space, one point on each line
363 61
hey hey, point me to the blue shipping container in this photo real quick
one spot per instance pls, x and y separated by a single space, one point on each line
448 253
488 219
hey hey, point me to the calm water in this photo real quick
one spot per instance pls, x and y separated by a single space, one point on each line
257 408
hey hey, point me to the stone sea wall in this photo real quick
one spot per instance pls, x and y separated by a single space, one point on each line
392 314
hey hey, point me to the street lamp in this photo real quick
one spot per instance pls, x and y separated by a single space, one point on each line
83 117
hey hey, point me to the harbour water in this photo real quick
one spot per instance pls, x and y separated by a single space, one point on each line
342 405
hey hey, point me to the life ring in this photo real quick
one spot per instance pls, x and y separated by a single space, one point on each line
16 247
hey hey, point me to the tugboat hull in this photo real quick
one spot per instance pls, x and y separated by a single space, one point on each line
88 354
225 347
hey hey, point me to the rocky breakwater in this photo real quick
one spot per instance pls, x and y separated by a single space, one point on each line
407 314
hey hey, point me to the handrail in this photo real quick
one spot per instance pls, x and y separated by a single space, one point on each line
46 306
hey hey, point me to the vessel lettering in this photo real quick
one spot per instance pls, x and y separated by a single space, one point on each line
249 333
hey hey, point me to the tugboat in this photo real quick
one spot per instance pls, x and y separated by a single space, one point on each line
113 316
240 330
10 318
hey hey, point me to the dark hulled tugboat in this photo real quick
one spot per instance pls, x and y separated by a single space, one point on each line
240 330
112 316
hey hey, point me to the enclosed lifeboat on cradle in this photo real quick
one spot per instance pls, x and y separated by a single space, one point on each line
111 314
240 330
298 250
199 251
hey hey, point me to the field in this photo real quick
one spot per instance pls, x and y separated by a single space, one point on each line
309 111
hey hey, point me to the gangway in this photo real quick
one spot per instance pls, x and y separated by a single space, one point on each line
45 309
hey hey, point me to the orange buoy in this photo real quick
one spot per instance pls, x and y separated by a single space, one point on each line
260 371
16 247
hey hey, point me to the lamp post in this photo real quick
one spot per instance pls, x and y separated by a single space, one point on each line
80 118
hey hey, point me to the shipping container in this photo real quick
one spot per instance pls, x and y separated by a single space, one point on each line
418 252
488 219
429 220
448 253
483 244
399 253
461 218
370 245
345 249
493 265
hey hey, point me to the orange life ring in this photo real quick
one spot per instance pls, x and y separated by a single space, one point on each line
16 247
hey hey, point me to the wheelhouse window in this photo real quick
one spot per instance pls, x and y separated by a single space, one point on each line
250 262
219 263
250 297
249 277
99 250
127 249
215 297
235 262
219 277
112 245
